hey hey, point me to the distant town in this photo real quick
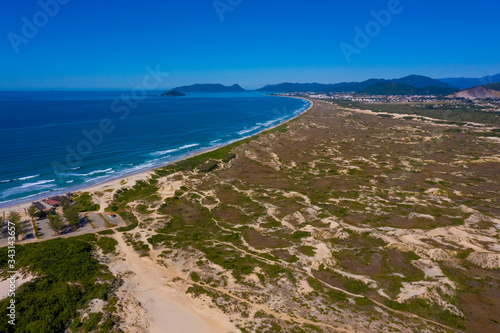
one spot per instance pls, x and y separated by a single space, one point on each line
431 101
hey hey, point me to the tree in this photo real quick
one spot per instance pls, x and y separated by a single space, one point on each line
19 227
14 217
71 214
56 223
65 202
33 212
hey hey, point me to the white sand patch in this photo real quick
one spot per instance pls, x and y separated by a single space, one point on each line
383 294
418 215
413 240
494 247
484 259
19 281
430 268
413 289
362 278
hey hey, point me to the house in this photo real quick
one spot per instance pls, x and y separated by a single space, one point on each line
52 203
57 198
60 198
42 206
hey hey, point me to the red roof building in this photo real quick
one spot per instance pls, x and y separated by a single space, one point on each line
51 202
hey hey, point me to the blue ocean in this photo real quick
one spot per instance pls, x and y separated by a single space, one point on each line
55 142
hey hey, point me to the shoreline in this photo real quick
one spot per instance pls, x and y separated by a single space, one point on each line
143 174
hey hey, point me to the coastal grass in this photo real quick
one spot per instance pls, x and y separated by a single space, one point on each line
191 163
67 278
84 203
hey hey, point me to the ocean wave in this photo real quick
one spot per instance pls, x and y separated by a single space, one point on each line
28 187
168 151
189 146
12 201
251 129
20 178
41 182
164 152
27 177
95 178
109 170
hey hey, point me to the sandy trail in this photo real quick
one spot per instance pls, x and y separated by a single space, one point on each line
166 309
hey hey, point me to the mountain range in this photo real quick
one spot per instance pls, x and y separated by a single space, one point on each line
416 81
408 85
466 83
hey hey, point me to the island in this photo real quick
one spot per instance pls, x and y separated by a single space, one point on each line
173 93
210 88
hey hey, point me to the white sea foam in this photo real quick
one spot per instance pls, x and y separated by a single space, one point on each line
251 129
109 170
41 182
164 152
40 185
168 151
189 146
27 177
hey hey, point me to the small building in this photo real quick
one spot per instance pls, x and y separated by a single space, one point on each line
53 203
42 206
57 198
111 214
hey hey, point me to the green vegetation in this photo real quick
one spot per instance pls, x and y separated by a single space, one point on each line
67 279
300 234
208 166
429 310
228 157
56 223
307 250
33 212
107 244
106 232
72 216
356 286
195 276
84 203
139 246
19 227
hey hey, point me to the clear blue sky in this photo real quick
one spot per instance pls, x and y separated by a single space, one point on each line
108 44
